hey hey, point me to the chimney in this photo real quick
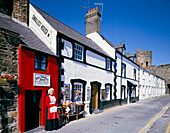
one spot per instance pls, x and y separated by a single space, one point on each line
93 21
21 10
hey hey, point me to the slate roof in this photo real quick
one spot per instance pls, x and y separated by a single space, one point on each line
71 33
111 44
130 55
27 36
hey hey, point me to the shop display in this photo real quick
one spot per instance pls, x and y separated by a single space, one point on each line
67 92
73 108
77 93
103 94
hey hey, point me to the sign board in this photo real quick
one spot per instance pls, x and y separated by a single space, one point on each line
67 92
88 93
41 80
41 27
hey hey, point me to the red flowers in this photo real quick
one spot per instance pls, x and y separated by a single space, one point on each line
8 77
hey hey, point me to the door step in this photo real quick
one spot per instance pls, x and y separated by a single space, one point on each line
97 111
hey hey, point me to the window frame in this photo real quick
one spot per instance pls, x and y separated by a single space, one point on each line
123 72
81 88
108 64
108 87
77 51
39 62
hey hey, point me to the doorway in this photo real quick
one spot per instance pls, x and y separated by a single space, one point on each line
94 97
32 109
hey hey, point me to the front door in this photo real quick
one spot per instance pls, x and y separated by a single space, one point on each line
32 109
94 97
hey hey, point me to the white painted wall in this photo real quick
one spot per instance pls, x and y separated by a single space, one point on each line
38 24
102 43
151 85
67 51
130 66
76 70
95 59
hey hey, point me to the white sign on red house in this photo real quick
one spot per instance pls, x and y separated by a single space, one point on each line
41 80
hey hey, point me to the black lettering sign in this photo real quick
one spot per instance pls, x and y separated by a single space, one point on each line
36 20
39 24
44 29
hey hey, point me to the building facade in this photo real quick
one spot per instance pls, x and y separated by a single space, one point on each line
144 59
36 70
150 85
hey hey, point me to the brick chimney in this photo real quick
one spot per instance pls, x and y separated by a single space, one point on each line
21 10
93 18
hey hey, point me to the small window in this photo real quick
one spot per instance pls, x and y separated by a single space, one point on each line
123 70
77 92
147 64
40 62
107 64
78 52
107 92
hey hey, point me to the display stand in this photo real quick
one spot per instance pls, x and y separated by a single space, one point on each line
79 110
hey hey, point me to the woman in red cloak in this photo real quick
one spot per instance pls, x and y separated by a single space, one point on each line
52 115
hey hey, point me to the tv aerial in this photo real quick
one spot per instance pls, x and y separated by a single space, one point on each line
86 8
100 4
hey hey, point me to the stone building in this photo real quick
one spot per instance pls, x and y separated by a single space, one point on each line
144 59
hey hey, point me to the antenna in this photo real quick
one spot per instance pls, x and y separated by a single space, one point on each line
101 4
123 41
85 8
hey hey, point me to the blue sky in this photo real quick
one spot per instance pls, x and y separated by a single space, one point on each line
141 24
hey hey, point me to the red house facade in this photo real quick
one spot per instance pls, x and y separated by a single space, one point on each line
37 73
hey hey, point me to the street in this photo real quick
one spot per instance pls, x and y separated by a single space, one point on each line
130 118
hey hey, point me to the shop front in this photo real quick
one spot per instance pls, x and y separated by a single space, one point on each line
37 73
73 97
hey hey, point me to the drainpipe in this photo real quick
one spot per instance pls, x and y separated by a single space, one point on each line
59 67
121 79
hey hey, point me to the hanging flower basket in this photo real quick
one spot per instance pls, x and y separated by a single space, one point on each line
8 78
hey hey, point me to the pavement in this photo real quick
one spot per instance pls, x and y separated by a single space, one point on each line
149 116
162 124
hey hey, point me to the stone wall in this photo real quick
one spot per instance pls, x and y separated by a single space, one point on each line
20 10
164 72
8 83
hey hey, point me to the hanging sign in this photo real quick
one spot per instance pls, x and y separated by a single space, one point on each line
41 80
